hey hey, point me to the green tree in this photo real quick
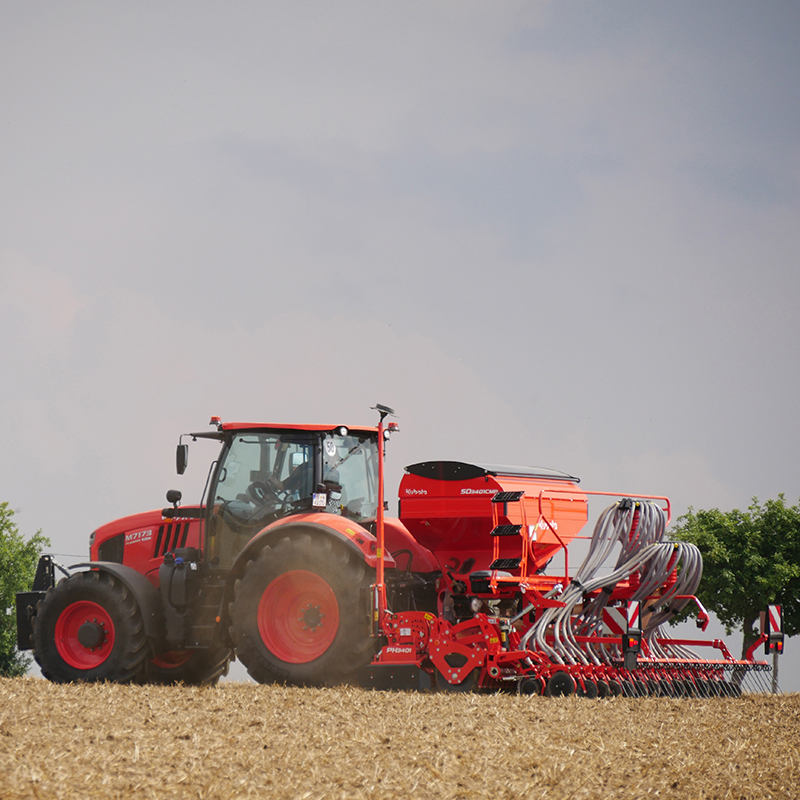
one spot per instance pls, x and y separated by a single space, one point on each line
18 559
751 559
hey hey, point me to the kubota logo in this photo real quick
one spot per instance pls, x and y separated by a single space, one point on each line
416 491
479 491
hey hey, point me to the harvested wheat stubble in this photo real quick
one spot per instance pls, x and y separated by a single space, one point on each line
243 740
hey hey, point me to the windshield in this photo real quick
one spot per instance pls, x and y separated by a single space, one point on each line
352 463
285 466
268 475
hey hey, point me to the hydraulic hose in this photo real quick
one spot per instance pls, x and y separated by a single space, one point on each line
638 527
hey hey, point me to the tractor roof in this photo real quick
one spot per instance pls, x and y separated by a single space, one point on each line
229 427
240 426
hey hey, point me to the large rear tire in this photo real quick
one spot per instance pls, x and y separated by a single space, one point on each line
299 613
89 628
190 667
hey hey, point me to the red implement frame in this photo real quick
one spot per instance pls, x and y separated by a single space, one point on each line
486 650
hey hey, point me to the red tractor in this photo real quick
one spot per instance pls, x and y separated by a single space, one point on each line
289 563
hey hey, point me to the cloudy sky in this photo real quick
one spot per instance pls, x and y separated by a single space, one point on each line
560 234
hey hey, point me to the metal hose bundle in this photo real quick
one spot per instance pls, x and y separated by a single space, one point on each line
638 527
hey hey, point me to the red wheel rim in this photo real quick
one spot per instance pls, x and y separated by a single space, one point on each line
298 616
100 630
173 659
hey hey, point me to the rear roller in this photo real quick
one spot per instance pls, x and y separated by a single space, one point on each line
467 685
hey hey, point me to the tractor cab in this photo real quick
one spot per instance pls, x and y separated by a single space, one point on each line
265 473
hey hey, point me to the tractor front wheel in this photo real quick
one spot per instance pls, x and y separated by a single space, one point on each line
89 628
299 613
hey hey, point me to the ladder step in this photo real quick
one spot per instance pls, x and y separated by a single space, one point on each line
508 497
506 530
505 563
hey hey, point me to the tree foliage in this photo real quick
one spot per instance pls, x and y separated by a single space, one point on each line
751 559
18 559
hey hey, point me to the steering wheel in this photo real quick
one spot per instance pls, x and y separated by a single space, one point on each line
262 493
353 507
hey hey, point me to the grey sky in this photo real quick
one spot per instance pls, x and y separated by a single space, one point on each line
558 234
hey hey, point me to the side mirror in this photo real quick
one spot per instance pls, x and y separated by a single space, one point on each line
182 458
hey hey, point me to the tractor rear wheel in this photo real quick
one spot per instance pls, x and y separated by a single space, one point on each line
191 667
89 628
299 613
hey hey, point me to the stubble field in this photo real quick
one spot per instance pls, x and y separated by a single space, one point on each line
247 741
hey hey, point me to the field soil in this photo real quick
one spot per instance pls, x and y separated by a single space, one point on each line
247 741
